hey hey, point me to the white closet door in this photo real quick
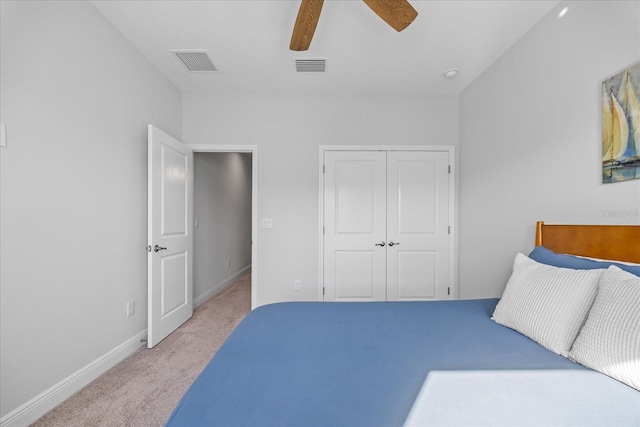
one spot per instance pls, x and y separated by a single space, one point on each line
355 226
417 225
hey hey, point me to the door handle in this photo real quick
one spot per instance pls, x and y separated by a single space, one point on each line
392 243
157 248
380 244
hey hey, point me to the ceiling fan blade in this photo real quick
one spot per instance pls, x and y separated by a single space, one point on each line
305 25
397 13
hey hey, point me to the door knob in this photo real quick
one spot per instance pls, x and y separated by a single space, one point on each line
380 244
391 243
157 248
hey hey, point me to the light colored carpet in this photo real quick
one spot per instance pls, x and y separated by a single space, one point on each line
144 388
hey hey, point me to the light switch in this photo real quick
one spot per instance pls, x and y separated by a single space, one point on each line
3 135
267 223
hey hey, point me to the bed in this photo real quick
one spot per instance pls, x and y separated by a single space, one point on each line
444 363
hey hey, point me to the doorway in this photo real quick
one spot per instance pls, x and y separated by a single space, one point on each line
225 223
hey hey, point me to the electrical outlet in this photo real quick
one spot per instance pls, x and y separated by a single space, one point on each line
131 308
296 285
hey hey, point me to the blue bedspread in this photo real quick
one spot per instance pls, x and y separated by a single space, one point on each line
363 364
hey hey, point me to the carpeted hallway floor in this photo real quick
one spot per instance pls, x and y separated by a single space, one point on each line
144 388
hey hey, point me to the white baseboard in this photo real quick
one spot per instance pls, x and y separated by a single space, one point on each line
52 397
216 289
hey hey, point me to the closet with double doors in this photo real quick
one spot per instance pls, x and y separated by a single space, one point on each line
386 221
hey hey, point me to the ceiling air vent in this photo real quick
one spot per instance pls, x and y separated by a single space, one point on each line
311 65
195 60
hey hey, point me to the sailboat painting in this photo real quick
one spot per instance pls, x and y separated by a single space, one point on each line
621 126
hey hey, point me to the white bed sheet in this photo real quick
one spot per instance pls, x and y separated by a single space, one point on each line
523 398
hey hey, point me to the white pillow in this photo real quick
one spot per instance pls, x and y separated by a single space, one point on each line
546 303
609 342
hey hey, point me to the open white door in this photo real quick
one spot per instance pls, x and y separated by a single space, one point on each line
170 235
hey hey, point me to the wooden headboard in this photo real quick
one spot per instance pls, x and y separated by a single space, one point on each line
617 242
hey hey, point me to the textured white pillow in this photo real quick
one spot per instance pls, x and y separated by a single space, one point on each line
546 303
609 342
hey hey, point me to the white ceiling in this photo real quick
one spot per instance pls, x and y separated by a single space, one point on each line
248 41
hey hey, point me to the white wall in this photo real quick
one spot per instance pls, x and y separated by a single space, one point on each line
530 139
76 98
222 207
288 132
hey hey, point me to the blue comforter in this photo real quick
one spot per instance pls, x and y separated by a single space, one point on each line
364 364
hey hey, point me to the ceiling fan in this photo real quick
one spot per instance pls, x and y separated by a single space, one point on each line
397 13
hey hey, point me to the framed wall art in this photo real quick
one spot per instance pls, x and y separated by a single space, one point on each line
621 126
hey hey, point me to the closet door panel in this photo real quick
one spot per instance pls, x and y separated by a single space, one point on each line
355 275
417 225
416 273
355 220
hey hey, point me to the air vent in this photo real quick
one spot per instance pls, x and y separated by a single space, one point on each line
195 60
311 65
